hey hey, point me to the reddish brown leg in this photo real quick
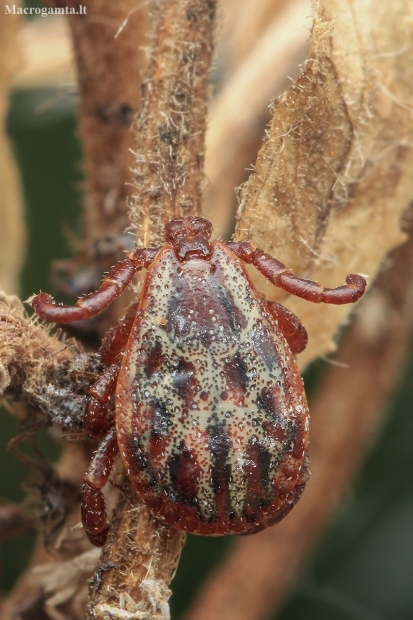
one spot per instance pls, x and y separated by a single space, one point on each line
97 420
117 336
97 415
93 509
112 286
278 274
290 325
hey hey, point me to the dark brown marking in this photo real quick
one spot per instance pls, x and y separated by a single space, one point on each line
138 462
235 318
219 445
263 344
273 401
179 305
258 492
184 380
154 359
235 372
185 475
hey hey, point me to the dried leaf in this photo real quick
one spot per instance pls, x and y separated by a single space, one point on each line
334 176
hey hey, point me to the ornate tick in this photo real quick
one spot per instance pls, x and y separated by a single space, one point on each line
211 418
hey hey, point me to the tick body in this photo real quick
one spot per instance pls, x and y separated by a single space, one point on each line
211 418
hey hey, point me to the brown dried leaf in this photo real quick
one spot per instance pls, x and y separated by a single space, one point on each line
334 176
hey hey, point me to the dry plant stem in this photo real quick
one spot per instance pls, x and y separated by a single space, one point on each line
109 71
172 120
28 354
12 229
136 565
50 584
141 554
345 412
27 351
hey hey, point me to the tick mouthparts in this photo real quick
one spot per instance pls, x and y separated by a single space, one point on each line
193 249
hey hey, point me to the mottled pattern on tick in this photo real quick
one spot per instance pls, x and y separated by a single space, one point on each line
211 415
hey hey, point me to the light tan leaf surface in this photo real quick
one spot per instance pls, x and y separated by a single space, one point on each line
335 174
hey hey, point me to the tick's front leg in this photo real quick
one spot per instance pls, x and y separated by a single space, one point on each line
112 286
290 325
93 509
278 274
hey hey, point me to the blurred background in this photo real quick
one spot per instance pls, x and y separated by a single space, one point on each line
363 567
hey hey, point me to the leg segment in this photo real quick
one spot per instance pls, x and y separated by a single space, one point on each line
112 286
290 326
97 421
93 509
115 339
278 274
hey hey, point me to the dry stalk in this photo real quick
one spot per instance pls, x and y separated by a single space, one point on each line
172 121
109 63
141 555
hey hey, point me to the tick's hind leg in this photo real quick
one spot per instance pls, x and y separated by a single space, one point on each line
93 509
290 325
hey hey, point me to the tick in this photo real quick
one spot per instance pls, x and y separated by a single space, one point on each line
201 395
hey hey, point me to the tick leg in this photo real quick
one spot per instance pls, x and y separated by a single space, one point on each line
117 336
290 325
97 421
97 415
112 286
278 274
93 509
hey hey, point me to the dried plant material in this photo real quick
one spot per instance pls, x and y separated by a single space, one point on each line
46 54
141 554
27 351
345 412
171 124
137 564
334 175
240 111
108 42
55 584
12 229
61 582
